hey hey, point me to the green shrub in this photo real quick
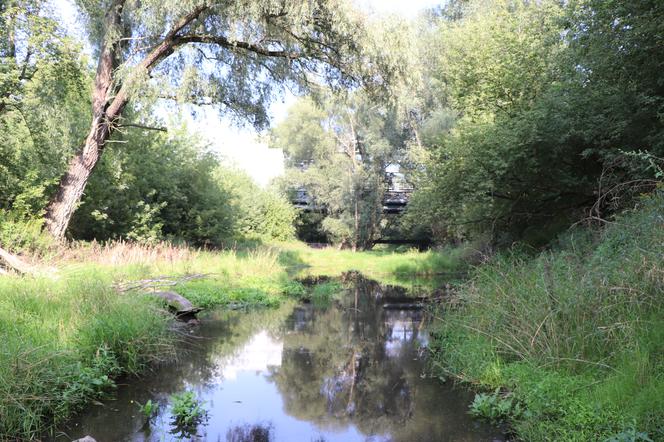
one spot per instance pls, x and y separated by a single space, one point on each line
495 407
295 289
19 234
630 435
148 409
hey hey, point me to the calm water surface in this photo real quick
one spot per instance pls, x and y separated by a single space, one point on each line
347 371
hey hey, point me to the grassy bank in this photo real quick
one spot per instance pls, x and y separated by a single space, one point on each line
574 338
62 342
64 339
408 269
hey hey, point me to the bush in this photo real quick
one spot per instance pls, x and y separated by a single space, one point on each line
495 407
23 235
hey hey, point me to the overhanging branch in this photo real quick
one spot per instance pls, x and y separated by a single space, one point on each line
225 42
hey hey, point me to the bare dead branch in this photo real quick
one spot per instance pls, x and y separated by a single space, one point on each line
161 281
13 262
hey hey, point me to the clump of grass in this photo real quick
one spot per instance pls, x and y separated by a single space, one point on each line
320 292
323 293
576 332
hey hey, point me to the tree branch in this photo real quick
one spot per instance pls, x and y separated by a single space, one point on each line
160 52
141 126
225 42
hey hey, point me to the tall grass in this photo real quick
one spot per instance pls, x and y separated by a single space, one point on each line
61 344
577 332
63 340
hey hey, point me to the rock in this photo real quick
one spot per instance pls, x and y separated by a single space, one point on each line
86 439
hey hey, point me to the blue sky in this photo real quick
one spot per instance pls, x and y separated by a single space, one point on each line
242 147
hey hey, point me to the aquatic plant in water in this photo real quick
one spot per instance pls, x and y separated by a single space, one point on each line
149 409
188 413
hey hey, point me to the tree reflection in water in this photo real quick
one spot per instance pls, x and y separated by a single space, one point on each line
358 363
262 432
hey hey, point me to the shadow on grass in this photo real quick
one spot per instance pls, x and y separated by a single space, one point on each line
292 262
434 264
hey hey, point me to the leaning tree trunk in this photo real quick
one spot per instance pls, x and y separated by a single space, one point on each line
108 101
69 193
106 108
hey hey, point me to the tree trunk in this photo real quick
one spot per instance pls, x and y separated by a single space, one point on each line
109 99
69 193
356 237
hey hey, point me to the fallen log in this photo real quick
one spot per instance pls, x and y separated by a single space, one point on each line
13 262
183 309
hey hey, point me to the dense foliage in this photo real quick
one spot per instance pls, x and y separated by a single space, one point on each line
550 107
149 185
44 105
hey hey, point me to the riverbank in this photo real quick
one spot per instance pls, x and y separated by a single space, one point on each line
569 345
67 336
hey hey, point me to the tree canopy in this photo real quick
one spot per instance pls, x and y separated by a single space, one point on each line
512 119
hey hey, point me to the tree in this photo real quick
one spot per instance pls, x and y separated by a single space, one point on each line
43 104
339 152
229 54
540 104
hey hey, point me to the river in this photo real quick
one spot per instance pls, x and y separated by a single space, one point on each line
344 370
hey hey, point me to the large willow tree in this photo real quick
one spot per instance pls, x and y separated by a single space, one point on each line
228 52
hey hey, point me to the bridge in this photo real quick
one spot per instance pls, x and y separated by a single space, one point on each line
394 201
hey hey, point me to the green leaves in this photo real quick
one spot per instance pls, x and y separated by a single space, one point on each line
338 152
188 413
496 407
549 98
